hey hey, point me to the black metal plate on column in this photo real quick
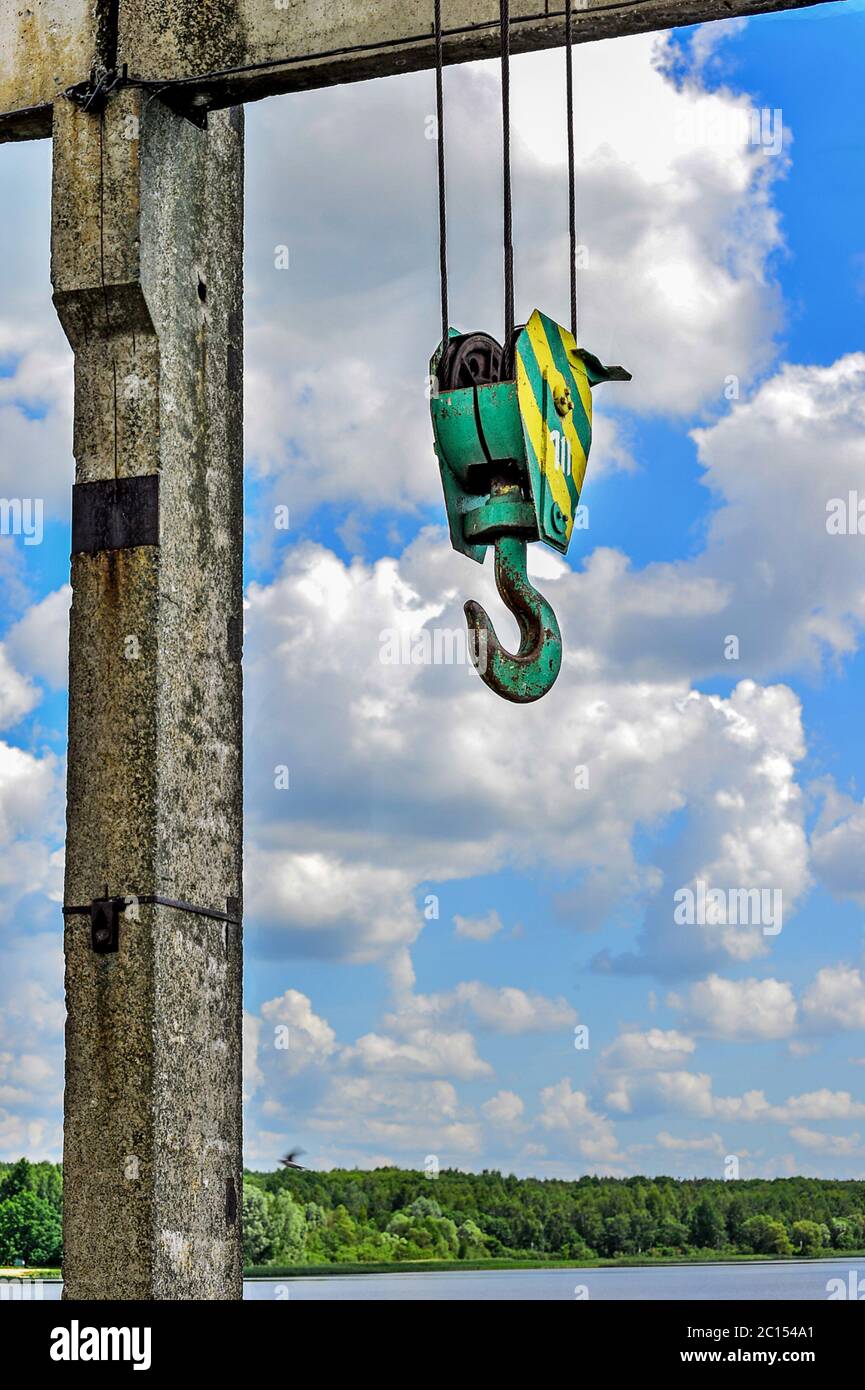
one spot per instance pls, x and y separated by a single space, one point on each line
116 515
105 925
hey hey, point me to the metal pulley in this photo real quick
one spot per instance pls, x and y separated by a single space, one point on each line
513 429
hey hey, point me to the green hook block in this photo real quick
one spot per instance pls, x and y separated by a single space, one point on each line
538 424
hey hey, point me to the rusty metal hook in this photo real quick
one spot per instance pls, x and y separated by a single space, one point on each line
531 672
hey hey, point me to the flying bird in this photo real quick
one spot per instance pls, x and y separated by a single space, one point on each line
290 1159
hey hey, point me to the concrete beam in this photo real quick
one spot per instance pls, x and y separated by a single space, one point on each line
319 43
292 45
45 46
147 273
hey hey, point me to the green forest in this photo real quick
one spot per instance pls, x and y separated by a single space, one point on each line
390 1215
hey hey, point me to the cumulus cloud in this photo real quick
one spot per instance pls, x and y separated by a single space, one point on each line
838 844
39 641
17 695
835 999
833 1145
36 413
723 1008
30 811
504 1109
431 1036
38 1138
656 1049
791 591
648 1093
822 1104
796 589
576 1128
413 1118
478 928
252 1073
692 1093
319 905
760 1010
297 1030
653 749
502 1009
427 1052
709 1143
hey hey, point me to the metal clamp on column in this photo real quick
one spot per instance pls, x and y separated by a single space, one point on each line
105 914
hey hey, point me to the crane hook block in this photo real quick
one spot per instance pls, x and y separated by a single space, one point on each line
519 416
513 428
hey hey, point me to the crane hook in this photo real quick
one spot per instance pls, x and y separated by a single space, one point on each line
530 673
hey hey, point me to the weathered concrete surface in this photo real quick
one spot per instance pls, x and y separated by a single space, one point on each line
185 38
325 41
147 273
45 46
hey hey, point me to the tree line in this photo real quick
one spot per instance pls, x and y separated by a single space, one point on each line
389 1215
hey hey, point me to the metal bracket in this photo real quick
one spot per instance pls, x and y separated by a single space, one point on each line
118 514
93 94
192 106
105 925
105 914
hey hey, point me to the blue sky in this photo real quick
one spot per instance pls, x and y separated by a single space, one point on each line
451 1031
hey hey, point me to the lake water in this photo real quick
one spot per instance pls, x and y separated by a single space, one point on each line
782 1281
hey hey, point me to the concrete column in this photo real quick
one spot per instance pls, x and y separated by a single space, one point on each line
147 273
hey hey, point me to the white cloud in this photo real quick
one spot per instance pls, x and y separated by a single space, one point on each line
431 1036
647 1093
428 1052
320 905
709 1143
653 748
576 1127
297 1035
499 1009
478 928
769 573
36 415
737 1009
17 696
32 1014
656 1049
833 1145
30 809
796 591
39 641
510 1010
504 1109
412 1117
838 845
835 999
40 1139
252 1073
822 1104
